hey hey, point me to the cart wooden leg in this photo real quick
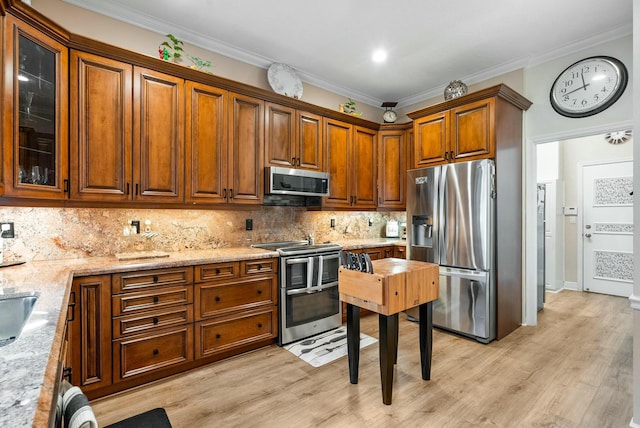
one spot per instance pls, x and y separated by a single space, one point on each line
388 353
426 339
353 341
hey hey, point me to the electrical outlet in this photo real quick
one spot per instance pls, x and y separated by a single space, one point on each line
249 224
136 224
333 222
6 230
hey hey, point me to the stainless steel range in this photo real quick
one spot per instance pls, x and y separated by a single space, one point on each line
308 302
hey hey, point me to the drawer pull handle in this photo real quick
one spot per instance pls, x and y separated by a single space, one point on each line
259 291
156 352
217 271
155 320
218 336
259 267
155 299
155 279
259 325
217 298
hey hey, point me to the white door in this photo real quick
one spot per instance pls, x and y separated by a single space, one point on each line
607 235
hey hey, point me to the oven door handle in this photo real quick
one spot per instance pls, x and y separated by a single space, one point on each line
310 273
320 267
310 290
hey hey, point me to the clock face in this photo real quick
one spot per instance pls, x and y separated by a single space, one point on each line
389 116
589 86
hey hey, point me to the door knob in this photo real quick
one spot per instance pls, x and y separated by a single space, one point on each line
587 235
588 226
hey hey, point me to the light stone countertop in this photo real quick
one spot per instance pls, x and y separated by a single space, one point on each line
29 366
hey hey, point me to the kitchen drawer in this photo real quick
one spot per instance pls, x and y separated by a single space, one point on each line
259 267
152 320
214 299
221 334
146 353
123 304
140 280
217 271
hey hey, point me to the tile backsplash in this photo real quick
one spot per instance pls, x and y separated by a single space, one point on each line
63 233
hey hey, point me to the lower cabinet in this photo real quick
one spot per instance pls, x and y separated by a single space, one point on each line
224 333
236 305
141 354
129 328
90 332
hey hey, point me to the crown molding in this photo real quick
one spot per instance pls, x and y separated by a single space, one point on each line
138 19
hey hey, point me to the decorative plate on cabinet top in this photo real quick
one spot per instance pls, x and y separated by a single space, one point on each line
284 80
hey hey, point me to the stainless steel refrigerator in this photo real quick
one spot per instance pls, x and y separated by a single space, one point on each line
451 222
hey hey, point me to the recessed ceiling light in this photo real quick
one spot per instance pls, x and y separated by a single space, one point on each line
379 55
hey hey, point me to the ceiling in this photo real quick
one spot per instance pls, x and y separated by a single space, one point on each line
329 43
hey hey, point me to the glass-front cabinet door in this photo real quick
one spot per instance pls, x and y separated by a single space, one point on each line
36 113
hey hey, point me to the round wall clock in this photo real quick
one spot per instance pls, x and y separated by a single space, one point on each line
588 86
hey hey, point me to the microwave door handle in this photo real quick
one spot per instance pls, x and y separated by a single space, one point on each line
309 273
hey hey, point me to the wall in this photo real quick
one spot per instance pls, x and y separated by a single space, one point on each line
98 27
575 151
542 124
61 233
514 80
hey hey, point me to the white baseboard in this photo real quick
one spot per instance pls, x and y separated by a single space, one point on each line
571 286
633 424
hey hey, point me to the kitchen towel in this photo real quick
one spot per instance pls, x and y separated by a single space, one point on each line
326 347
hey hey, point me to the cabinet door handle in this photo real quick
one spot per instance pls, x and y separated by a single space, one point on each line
155 299
127 190
451 155
217 271
137 185
231 193
155 279
155 321
67 185
446 155
156 352
217 298
298 161
67 373
293 161
224 193
259 267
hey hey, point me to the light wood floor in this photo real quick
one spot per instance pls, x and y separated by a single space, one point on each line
572 370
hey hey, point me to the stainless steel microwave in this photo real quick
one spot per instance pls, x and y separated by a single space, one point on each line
289 181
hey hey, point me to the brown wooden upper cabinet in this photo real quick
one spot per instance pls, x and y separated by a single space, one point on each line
350 157
246 144
101 128
158 136
293 138
206 148
392 168
35 113
127 134
461 133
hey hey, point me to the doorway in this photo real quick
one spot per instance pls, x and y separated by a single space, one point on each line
567 262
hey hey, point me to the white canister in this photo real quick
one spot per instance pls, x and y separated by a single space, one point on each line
392 229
